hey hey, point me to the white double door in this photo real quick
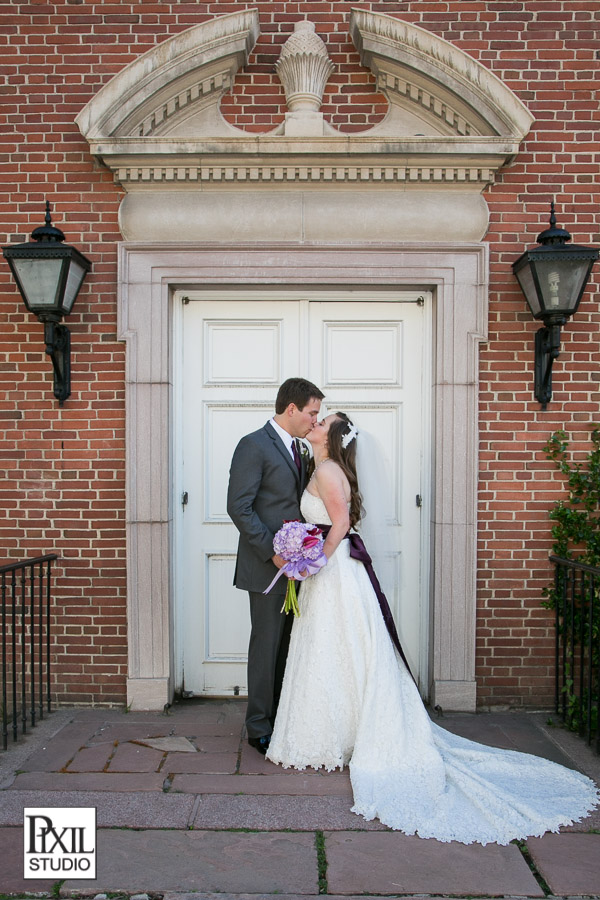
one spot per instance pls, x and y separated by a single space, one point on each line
233 349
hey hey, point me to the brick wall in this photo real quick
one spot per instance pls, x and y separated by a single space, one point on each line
62 471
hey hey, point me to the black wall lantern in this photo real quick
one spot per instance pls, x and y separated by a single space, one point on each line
553 278
49 275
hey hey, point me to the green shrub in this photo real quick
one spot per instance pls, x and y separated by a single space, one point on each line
577 520
576 535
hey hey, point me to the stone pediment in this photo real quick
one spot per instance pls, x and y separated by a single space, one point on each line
432 85
450 120
190 175
173 90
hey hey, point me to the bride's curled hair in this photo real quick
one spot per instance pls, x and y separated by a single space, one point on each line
345 457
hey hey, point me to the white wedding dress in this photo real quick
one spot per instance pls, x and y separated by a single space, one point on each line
347 699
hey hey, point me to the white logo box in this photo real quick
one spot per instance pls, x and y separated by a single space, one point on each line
59 843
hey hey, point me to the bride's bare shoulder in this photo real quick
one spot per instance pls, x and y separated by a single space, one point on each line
329 474
327 469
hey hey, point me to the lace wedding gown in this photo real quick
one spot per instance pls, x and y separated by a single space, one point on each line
347 699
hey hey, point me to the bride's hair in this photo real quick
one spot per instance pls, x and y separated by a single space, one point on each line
345 457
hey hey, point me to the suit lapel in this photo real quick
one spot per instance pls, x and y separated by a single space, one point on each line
282 449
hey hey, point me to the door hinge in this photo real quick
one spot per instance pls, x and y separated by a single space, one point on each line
184 498
419 501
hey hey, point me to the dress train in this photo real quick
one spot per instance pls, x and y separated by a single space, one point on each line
348 699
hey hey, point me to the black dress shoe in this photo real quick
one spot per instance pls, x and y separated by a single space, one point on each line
261 744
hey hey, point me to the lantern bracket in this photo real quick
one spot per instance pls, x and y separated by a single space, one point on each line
57 338
547 349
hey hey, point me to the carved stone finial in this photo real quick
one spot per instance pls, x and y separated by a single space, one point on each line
304 68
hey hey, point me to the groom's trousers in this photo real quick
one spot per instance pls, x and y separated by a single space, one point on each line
267 653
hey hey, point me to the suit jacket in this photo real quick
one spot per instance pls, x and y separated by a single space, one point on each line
264 490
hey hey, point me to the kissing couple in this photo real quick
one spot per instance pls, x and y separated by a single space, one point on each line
335 690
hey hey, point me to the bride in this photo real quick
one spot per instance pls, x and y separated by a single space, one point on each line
348 699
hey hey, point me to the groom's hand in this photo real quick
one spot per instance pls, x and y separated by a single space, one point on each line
278 560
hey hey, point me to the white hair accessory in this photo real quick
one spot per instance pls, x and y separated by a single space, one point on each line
349 436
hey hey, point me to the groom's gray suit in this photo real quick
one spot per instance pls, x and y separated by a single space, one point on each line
264 491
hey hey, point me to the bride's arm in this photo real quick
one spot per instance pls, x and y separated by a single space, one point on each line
332 486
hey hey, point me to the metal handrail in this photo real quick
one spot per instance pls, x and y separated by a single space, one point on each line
573 564
577 649
25 585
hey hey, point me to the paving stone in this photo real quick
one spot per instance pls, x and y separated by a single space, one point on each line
569 863
55 753
207 711
196 730
171 743
583 755
265 813
134 810
30 743
116 715
263 784
175 895
93 781
130 757
168 895
394 863
201 763
507 731
225 743
121 732
11 868
203 861
91 759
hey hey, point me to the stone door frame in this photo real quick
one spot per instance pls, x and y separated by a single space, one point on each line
457 274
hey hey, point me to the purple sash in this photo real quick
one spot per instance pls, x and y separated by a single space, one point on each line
359 551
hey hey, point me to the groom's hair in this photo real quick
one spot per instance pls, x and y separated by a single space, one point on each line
297 391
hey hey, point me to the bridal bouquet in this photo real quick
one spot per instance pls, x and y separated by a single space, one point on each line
301 545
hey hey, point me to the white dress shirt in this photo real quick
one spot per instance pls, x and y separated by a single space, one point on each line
285 436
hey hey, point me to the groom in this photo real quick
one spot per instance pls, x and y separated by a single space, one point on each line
266 481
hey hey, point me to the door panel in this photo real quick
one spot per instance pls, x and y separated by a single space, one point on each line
368 359
366 355
234 356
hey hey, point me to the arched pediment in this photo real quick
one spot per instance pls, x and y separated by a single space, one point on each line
175 88
430 81
451 126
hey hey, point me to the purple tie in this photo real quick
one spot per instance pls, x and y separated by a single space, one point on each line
296 455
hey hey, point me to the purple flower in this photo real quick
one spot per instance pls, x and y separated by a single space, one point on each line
289 540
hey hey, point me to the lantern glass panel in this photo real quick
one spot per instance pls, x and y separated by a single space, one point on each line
74 281
562 283
40 280
525 279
